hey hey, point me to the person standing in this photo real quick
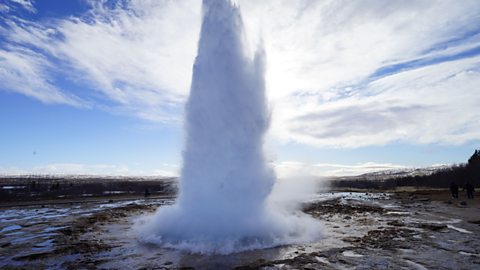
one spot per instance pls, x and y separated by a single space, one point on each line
454 190
470 189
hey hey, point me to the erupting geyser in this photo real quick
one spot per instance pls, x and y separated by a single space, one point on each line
225 178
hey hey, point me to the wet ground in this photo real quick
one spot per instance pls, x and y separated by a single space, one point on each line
420 230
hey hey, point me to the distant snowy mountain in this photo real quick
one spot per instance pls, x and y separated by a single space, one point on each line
407 172
396 173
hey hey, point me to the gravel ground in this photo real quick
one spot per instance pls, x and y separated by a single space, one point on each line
403 230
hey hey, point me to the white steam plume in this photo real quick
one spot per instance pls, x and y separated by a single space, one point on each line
222 206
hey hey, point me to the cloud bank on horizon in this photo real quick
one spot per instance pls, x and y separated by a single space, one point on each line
339 74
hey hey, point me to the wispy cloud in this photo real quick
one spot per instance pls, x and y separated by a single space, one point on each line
345 74
135 57
25 4
340 73
433 104
24 71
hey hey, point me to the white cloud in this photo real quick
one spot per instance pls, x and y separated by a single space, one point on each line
322 54
90 169
317 45
4 8
137 57
25 4
75 168
433 104
10 171
23 71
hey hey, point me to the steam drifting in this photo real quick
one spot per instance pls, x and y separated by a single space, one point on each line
222 206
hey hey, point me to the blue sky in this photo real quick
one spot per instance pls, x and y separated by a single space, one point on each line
98 87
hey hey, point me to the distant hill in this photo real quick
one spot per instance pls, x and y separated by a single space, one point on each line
432 177
53 187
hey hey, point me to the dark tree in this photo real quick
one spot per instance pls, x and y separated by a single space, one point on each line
473 168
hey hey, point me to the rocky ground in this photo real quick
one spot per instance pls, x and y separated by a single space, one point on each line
404 230
419 230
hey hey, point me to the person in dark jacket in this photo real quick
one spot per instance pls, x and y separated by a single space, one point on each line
470 189
454 190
